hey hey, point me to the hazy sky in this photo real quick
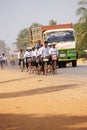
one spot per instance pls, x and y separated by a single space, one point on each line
16 15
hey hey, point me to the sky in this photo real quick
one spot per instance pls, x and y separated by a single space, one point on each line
16 15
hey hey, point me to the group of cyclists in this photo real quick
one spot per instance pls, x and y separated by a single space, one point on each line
40 59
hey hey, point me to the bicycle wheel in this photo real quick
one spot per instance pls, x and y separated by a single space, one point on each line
30 68
45 68
22 68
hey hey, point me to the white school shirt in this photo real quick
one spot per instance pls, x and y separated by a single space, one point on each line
28 54
20 55
37 52
2 58
53 51
44 51
34 53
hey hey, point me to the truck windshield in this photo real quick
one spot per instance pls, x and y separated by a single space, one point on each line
60 36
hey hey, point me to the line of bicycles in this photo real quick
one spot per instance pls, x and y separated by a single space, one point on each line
39 65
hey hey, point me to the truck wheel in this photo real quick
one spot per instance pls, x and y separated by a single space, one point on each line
74 63
59 64
64 64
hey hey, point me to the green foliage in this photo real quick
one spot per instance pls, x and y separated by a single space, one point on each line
52 22
4 48
81 27
35 24
23 39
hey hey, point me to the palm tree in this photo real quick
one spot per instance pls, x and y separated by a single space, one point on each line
82 11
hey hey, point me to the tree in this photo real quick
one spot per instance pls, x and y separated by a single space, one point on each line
82 11
82 32
52 22
23 39
4 48
35 24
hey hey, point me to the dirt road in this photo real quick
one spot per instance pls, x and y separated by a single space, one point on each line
32 102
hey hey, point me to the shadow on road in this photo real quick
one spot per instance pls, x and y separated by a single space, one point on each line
40 122
37 91
12 80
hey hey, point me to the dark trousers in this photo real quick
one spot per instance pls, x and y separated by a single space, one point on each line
21 60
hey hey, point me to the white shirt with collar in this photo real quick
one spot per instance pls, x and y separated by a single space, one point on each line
44 51
28 54
53 51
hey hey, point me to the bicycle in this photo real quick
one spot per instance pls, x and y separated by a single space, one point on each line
29 61
22 65
54 59
45 60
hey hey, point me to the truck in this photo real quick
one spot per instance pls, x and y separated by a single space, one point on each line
64 37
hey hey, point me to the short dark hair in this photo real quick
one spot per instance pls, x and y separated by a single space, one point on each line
45 42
